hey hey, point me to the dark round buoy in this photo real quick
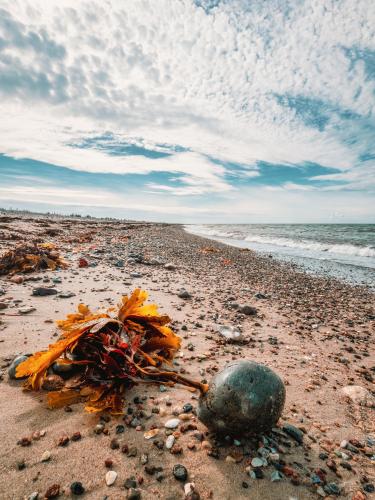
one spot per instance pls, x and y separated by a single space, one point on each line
245 398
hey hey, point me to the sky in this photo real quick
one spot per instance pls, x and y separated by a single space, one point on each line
191 111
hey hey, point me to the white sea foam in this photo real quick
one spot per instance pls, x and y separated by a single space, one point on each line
301 244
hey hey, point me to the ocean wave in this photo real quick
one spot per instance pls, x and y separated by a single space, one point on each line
338 248
306 245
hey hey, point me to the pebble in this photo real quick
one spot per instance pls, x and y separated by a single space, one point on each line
53 491
170 267
170 441
134 494
53 383
151 433
26 310
359 395
294 432
184 294
99 428
187 408
276 476
230 333
248 310
180 472
332 489
130 482
63 368
13 366
110 477
77 488
33 496
66 295
46 456
257 462
43 292
172 423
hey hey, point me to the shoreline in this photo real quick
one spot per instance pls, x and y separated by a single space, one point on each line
315 332
346 271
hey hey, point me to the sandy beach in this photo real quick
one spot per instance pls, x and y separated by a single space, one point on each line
316 333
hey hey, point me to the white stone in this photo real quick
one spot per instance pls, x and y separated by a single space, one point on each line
26 310
172 423
359 395
110 477
230 333
188 488
46 456
170 441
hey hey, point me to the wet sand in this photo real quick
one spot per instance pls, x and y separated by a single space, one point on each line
316 333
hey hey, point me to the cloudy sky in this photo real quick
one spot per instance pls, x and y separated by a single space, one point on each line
189 110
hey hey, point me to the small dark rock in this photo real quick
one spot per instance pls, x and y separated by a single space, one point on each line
21 465
332 489
293 432
77 488
43 292
134 494
187 408
130 483
180 472
248 310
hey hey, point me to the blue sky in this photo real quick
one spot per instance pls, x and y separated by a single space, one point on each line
189 111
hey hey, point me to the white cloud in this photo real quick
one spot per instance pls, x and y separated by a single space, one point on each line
250 205
168 72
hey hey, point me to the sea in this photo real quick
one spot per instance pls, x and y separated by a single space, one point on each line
343 251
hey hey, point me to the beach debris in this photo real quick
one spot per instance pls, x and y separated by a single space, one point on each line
113 350
209 250
244 398
82 262
230 333
28 257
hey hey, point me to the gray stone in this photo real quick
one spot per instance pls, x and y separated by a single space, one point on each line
294 432
43 292
64 370
244 398
248 310
66 295
13 366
